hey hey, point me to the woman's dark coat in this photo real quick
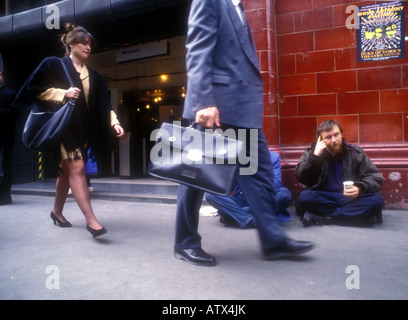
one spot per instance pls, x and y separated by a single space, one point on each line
90 124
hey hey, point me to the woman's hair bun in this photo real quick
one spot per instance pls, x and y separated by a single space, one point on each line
69 27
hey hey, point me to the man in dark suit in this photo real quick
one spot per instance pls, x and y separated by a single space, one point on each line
225 89
8 116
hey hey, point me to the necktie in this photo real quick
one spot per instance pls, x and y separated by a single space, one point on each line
246 26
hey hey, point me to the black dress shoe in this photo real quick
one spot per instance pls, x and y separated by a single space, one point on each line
197 257
310 219
288 248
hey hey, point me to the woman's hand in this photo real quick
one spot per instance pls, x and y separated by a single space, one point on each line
72 93
119 131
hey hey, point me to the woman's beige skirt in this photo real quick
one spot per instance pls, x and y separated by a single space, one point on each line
72 155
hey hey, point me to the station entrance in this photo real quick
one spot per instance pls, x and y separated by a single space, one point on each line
145 92
141 112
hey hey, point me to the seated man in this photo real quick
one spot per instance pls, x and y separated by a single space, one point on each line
324 167
234 210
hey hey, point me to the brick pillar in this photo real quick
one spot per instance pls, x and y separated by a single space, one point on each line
261 17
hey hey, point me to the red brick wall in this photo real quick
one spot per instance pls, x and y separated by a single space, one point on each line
261 17
319 77
309 63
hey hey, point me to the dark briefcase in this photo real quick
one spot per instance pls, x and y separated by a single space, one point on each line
205 160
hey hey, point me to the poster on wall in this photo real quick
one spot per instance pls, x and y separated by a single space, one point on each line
381 32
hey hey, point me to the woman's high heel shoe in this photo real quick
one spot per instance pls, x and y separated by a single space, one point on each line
96 233
58 222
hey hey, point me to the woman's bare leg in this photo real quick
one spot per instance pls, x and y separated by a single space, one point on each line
79 187
61 193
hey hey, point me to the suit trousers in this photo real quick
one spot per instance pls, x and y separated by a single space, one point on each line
259 192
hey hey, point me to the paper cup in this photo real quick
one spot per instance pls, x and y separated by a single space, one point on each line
348 184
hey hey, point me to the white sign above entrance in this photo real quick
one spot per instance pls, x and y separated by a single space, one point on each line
142 51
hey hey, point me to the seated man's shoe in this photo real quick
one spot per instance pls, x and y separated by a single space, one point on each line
288 248
227 221
375 218
310 219
378 217
197 257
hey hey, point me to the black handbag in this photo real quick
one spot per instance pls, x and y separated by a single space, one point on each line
44 131
201 159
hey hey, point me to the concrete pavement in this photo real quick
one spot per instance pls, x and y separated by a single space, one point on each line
135 259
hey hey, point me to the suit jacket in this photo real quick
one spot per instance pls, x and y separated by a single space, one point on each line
8 116
222 65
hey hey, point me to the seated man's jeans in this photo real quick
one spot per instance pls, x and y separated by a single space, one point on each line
336 205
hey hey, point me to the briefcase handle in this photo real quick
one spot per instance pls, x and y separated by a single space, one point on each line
195 124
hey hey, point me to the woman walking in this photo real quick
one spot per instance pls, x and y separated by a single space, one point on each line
90 125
